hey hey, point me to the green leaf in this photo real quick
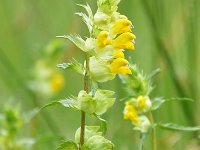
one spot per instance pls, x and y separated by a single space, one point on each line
86 19
103 124
68 145
176 127
73 64
76 39
158 102
69 103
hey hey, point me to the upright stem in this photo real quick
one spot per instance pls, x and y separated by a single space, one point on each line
86 88
153 135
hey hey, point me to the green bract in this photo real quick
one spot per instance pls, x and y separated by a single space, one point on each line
104 100
86 102
98 104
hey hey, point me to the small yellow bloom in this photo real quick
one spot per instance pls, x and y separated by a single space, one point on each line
102 39
121 26
131 114
119 66
124 41
118 54
141 102
57 82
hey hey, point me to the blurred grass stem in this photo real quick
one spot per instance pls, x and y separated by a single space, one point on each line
163 50
31 95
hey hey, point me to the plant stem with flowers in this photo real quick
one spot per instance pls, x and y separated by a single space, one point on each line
110 34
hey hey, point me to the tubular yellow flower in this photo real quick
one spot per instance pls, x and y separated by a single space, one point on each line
57 82
131 114
121 26
102 39
119 66
124 41
143 103
118 54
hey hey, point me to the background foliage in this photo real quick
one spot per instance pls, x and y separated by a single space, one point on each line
168 35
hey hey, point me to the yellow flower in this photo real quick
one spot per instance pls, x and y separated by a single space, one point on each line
143 103
102 39
57 82
131 114
124 41
118 54
121 26
119 66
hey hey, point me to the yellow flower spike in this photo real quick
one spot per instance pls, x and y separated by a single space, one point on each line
124 41
131 114
57 82
102 39
118 54
121 26
119 66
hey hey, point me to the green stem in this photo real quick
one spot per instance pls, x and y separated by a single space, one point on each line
153 135
86 88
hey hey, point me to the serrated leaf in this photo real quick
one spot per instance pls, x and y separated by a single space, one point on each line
158 102
103 124
73 64
153 73
88 9
176 127
76 39
69 103
68 145
86 19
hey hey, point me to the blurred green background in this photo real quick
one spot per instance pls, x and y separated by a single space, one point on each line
168 37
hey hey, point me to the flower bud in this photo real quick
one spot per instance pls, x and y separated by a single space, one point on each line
101 20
